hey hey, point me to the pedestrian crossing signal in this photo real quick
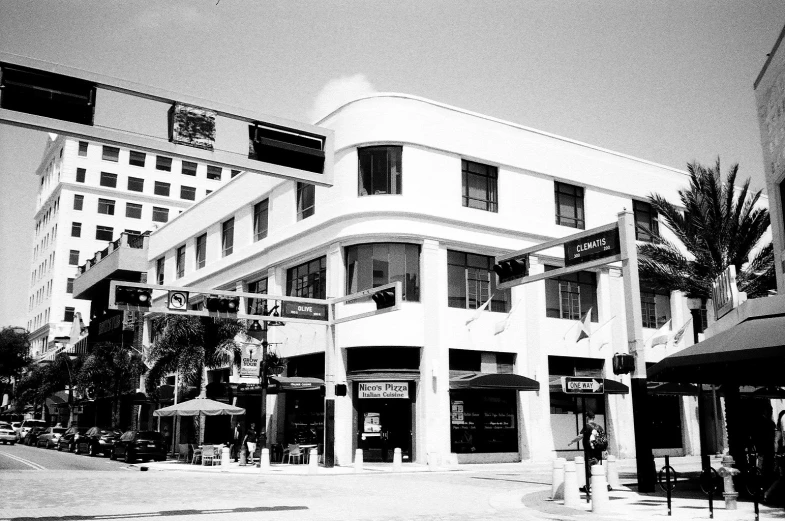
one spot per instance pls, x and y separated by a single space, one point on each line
384 299
131 296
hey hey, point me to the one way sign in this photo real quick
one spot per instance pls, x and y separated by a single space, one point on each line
582 385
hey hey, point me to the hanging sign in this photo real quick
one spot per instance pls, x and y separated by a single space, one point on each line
593 247
383 390
251 360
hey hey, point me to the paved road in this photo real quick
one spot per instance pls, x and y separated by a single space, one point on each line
22 457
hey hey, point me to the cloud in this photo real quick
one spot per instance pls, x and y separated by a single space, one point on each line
337 92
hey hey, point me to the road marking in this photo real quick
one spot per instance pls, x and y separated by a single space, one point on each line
29 463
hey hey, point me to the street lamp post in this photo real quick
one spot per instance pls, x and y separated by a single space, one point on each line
259 332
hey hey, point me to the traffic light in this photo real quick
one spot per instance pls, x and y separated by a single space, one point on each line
511 269
623 363
384 298
131 296
218 304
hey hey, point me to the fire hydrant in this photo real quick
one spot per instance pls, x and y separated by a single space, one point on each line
727 472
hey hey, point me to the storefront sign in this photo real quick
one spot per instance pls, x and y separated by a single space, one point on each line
582 385
300 310
110 324
383 390
456 412
251 359
593 247
725 292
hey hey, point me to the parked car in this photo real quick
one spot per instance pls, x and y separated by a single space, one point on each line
98 440
7 433
144 445
48 439
70 438
26 425
16 426
31 438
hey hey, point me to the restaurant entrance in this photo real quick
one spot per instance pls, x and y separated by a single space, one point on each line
384 425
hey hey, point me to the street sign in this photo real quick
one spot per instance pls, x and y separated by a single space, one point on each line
593 247
300 310
177 300
582 385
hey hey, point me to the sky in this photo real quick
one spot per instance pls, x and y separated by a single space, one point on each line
667 81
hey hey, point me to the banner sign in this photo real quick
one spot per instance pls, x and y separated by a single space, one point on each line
300 310
251 360
593 247
383 390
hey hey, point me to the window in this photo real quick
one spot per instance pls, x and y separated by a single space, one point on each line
159 271
68 316
136 158
179 262
372 265
189 168
108 179
73 258
227 237
76 229
161 188
111 154
103 233
69 286
80 175
260 216
188 192
163 163
471 282
570 296
479 186
201 251
235 173
214 172
256 305
305 200
78 201
160 215
136 184
308 280
646 224
569 206
83 148
380 170
106 206
133 210
207 192
655 309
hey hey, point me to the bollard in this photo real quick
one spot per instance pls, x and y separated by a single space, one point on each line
225 459
727 472
264 460
358 460
557 479
613 473
600 500
579 463
397 460
243 455
313 461
572 496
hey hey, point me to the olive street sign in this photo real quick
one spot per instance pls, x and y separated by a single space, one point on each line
300 310
582 385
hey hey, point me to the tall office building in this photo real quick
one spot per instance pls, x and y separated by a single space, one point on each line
89 194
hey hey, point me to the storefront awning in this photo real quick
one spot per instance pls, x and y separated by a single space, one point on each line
296 383
610 386
672 389
751 353
494 381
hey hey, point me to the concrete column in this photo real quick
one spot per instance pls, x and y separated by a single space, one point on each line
335 362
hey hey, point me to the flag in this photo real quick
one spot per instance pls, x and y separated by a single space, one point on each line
680 333
662 335
502 326
480 310
585 324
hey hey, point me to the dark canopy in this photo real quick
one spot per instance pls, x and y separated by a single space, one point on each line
494 381
296 383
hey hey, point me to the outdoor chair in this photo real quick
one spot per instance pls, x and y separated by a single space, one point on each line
197 455
183 451
293 451
208 454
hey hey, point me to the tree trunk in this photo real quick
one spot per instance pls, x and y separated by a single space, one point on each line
70 405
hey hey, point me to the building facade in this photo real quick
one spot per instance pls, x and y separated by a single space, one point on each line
89 194
428 194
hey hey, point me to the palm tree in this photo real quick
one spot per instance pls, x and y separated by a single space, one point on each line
720 226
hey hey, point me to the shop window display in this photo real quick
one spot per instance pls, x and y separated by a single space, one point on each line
483 421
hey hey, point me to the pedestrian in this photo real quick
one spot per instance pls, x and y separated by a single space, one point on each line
589 433
167 438
237 437
250 441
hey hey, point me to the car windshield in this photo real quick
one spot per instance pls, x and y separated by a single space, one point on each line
35 423
58 430
148 435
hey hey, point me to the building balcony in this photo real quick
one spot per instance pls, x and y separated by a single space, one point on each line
124 259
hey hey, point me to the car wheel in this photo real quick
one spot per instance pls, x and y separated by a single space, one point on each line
59 448
112 455
91 451
12 443
129 457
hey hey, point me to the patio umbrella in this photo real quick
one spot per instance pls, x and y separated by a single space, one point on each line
199 406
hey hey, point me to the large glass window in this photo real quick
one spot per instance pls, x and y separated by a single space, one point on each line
380 170
214 172
110 154
471 282
83 148
308 280
567 410
646 224
180 262
68 316
161 188
655 309
189 168
479 185
256 305
306 200
76 229
73 258
188 193
159 271
81 173
571 296
163 163
227 237
260 218
569 206
201 251
372 265
483 421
